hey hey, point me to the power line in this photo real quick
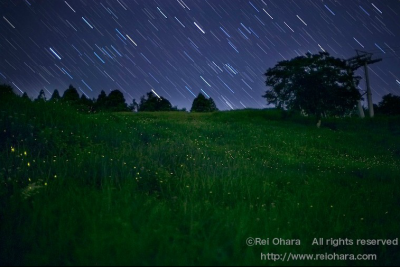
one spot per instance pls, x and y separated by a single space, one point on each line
377 50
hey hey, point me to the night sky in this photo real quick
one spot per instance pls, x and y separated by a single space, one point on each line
179 48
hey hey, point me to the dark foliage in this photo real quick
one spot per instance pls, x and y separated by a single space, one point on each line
202 104
86 104
154 103
316 84
134 106
6 92
56 96
390 105
25 97
41 97
71 95
101 102
116 102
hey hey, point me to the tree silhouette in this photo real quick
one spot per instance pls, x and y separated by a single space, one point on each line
316 84
154 103
71 95
6 91
202 104
213 106
85 104
56 96
101 102
41 97
134 106
390 105
116 102
25 97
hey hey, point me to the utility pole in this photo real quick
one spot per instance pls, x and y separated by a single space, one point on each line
360 109
363 59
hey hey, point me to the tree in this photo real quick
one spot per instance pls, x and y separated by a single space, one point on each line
315 84
71 95
26 98
154 103
86 104
56 96
116 102
390 105
213 106
134 106
41 97
6 91
101 102
202 104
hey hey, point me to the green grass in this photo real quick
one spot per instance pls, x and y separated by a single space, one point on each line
179 188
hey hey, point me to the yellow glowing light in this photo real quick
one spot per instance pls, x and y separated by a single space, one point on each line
26 154
29 164
12 149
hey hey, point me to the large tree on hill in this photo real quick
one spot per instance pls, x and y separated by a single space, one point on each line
71 95
315 84
390 105
202 104
154 103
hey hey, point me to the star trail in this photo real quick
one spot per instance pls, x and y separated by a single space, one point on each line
179 48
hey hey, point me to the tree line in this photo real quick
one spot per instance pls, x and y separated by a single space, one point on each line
315 84
114 102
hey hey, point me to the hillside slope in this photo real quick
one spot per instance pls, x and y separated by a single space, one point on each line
179 188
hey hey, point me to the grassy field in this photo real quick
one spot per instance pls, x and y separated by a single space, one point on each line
179 188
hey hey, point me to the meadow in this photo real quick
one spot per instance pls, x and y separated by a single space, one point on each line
176 188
